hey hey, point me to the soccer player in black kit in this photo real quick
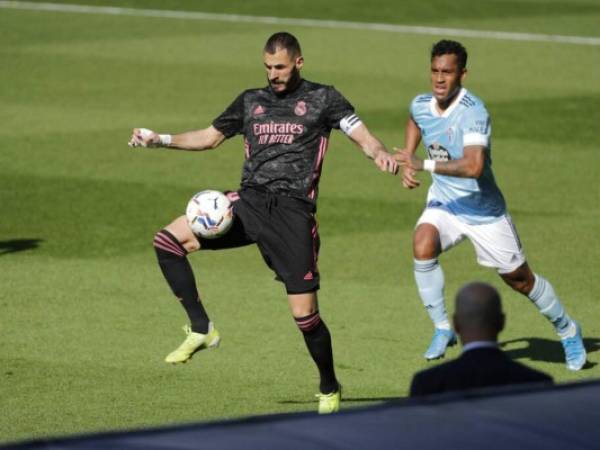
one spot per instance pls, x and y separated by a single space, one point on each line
286 128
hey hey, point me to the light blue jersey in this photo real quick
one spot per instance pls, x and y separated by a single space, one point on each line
466 122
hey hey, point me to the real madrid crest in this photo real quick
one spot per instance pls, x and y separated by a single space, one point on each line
300 108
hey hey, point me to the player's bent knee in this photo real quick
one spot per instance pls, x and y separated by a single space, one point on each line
303 304
426 243
183 233
167 245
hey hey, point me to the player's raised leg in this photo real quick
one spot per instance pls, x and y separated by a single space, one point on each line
172 244
305 310
430 284
542 295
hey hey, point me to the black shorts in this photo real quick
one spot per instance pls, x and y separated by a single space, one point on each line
285 231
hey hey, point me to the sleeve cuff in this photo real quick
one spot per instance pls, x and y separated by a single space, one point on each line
475 139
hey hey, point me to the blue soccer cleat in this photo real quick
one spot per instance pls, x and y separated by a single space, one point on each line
440 341
575 355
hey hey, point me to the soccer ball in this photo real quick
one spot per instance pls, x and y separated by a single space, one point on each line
209 214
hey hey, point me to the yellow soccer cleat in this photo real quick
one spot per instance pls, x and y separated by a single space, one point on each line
194 342
330 403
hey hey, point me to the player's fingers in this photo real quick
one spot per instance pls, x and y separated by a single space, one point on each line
409 179
388 164
136 141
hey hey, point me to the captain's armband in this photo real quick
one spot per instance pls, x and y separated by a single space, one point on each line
349 123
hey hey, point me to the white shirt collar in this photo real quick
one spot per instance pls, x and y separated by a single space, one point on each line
479 344
452 107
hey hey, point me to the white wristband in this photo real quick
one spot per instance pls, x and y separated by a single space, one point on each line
165 139
429 165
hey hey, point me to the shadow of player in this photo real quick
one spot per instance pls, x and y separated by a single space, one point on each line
344 399
18 245
540 349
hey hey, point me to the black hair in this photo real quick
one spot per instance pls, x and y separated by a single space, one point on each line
447 47
283 40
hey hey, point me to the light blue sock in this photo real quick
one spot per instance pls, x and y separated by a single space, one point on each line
545 299
430 283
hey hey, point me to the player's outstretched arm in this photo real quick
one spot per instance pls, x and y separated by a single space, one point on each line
412 138
207 138
374 149
469 166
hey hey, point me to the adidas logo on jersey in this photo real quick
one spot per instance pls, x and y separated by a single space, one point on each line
258 111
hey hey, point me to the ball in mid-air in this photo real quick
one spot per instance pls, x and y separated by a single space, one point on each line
210 214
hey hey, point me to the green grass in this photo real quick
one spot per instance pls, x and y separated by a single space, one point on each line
86 317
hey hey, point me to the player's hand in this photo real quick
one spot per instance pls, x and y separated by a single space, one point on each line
386 162
143 137
408 159
408 178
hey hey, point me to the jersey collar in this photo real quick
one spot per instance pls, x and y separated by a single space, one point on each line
451 108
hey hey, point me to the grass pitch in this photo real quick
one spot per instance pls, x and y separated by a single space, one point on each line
86 317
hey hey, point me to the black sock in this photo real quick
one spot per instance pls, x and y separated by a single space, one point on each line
180 277
318 340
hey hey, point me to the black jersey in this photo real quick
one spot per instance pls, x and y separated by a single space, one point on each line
285 137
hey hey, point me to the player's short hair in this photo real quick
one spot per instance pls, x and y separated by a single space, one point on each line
283 40
447 47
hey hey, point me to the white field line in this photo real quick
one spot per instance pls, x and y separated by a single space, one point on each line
315 23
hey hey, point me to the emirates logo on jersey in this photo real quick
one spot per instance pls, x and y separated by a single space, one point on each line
258 111
300 108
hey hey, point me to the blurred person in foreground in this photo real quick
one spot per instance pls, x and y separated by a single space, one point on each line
478 319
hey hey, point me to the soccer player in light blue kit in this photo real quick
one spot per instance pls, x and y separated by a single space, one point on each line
465 202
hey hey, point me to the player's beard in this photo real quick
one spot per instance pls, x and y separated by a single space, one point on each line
290 85
451 96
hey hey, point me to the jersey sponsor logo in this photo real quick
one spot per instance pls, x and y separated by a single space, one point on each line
258 110
300 108
277 132
438 152
480 127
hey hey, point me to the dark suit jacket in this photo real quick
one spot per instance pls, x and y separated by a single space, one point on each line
477 368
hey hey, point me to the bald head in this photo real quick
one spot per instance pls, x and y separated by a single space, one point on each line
478 312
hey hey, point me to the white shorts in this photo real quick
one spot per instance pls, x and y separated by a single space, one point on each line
497 244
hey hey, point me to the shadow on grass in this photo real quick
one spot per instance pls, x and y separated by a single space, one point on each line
18 245
540 349
344 399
